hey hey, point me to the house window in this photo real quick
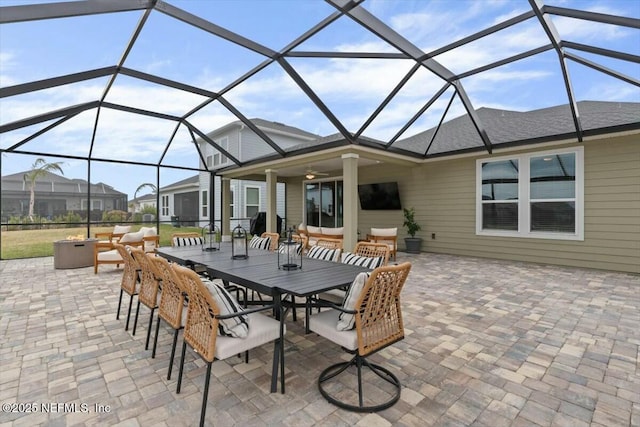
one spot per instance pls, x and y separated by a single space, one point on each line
205 203
96 205
532 195
252 201
164 203
209 161
220 159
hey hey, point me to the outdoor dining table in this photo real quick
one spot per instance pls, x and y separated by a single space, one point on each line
260 272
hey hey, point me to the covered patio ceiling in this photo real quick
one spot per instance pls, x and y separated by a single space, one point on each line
379 86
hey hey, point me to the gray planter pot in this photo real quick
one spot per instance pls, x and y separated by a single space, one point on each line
413 244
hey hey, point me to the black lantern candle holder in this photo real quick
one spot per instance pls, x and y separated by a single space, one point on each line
210 238
239 245
290 253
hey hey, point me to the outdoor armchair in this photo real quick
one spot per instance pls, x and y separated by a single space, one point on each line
114 235
388 236
105 252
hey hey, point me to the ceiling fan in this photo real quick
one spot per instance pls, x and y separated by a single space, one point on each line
311 174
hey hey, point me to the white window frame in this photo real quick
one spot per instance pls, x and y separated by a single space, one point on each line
524 201
164 205
246 205
204 198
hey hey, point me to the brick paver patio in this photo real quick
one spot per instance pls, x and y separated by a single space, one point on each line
488 343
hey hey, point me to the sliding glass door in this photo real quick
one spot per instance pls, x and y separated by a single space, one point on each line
324 203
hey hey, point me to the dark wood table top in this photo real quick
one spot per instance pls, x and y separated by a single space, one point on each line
260 270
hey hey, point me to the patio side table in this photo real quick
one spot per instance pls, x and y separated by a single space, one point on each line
73 253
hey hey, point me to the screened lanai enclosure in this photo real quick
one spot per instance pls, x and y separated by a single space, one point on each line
106 104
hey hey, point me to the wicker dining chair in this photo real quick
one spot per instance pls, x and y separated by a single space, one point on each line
130 278
366 254
275 238
149 289
201 330
329 243
171 307
369 320
373 250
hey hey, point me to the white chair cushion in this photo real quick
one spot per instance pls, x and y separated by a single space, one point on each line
262 329
258 242
362 261
347 321
335 231
313 229
148 231
187 241
121 229
132 237
324 324
112 255
334 296
327 254
385 231
236 327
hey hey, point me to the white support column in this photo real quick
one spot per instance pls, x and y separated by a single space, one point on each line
350 200
225 221
272 180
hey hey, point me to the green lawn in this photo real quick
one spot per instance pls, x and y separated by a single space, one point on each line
39 243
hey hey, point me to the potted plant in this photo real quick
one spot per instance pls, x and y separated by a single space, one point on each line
412 243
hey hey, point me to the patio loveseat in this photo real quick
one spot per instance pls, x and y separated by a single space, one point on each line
315 233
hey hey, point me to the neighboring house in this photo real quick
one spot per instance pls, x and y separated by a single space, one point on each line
145 201
56 195
179 201
248 196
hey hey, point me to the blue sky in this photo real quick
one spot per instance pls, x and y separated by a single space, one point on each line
352 88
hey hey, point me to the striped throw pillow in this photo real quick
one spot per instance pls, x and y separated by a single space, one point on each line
327 254
258 242
346 321
187 241
236 327
362 261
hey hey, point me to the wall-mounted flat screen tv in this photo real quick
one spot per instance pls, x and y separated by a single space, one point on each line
380 196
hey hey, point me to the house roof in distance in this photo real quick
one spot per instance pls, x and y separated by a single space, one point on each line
53 183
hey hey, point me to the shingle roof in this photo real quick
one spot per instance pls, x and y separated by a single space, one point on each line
504 126
53 183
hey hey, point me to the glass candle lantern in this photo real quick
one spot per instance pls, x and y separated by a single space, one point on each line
239 249
210 238
290 253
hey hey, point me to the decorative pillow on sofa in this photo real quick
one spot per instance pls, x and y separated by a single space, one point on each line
347 321
258 242
327 254
362 261
236 327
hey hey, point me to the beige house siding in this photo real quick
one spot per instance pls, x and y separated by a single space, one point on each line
443 194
